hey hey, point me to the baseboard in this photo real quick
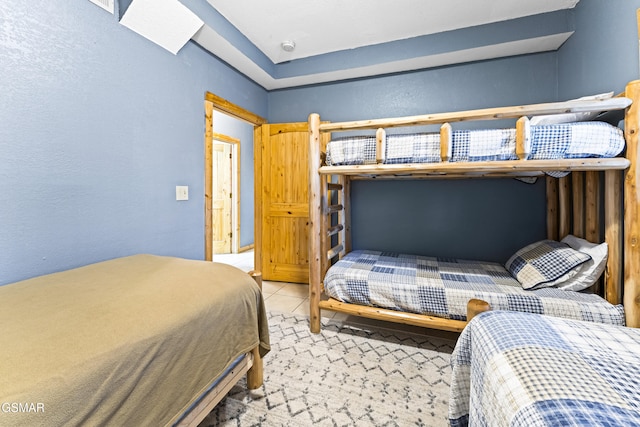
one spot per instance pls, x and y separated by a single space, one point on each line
246 248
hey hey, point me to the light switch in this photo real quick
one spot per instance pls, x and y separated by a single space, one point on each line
182 192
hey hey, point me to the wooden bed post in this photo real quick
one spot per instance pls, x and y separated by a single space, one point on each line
523 138
446 138
475 307
346 213
257 276
592 215
381 142
631 210
315 218
613 235
564 207
255 374
552 208
592 206
577 192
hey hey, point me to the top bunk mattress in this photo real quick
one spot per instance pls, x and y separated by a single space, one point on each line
548 142
442 287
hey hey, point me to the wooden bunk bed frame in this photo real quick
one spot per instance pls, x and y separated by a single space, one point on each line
572 204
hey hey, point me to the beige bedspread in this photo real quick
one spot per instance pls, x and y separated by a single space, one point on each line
127 342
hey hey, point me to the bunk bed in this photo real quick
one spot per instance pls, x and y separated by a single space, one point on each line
573 200
141 340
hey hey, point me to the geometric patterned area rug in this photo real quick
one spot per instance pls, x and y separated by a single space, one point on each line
348 375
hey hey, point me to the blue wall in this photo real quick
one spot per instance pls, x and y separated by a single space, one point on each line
602 55
486 219
98 127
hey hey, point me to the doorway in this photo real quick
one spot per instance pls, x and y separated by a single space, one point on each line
226 194
220 105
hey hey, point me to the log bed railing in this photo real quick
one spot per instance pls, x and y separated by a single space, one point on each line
573 202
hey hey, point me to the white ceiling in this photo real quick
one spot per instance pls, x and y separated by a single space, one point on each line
348 39
325 26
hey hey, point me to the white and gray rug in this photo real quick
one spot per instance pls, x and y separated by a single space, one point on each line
345 376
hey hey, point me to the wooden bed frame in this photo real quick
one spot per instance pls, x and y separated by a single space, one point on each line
566 203
104 330
250 365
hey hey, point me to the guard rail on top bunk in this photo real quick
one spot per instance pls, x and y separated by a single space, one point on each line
572 204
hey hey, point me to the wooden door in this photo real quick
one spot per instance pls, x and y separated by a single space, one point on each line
221 209
282 202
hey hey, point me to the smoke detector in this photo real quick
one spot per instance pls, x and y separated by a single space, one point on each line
288 45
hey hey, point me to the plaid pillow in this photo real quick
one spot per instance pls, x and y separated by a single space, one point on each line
544 262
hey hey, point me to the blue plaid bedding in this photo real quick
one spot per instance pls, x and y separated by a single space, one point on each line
559 141
517 369
442 287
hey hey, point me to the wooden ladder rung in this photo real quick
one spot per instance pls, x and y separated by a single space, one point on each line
335 230
334 251
333 186
331 209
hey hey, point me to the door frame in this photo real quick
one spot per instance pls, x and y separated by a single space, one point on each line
235 188
213 102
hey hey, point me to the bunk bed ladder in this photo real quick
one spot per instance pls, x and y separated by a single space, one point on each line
328 209
336 215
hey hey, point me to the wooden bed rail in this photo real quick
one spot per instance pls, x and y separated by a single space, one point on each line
210 400
513 112
474 307
523 141
251 366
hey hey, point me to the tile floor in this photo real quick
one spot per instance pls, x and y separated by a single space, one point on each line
294 298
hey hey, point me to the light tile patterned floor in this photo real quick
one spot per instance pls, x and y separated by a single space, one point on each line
294 298
278 296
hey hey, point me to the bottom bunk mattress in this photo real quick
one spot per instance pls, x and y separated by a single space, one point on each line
443 286
132 341
515 369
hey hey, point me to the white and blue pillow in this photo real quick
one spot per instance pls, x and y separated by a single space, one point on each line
545 263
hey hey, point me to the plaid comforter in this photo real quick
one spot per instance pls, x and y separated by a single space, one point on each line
442 287
559 141
518 369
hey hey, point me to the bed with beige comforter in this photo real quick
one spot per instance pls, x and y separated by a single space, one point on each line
130 341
